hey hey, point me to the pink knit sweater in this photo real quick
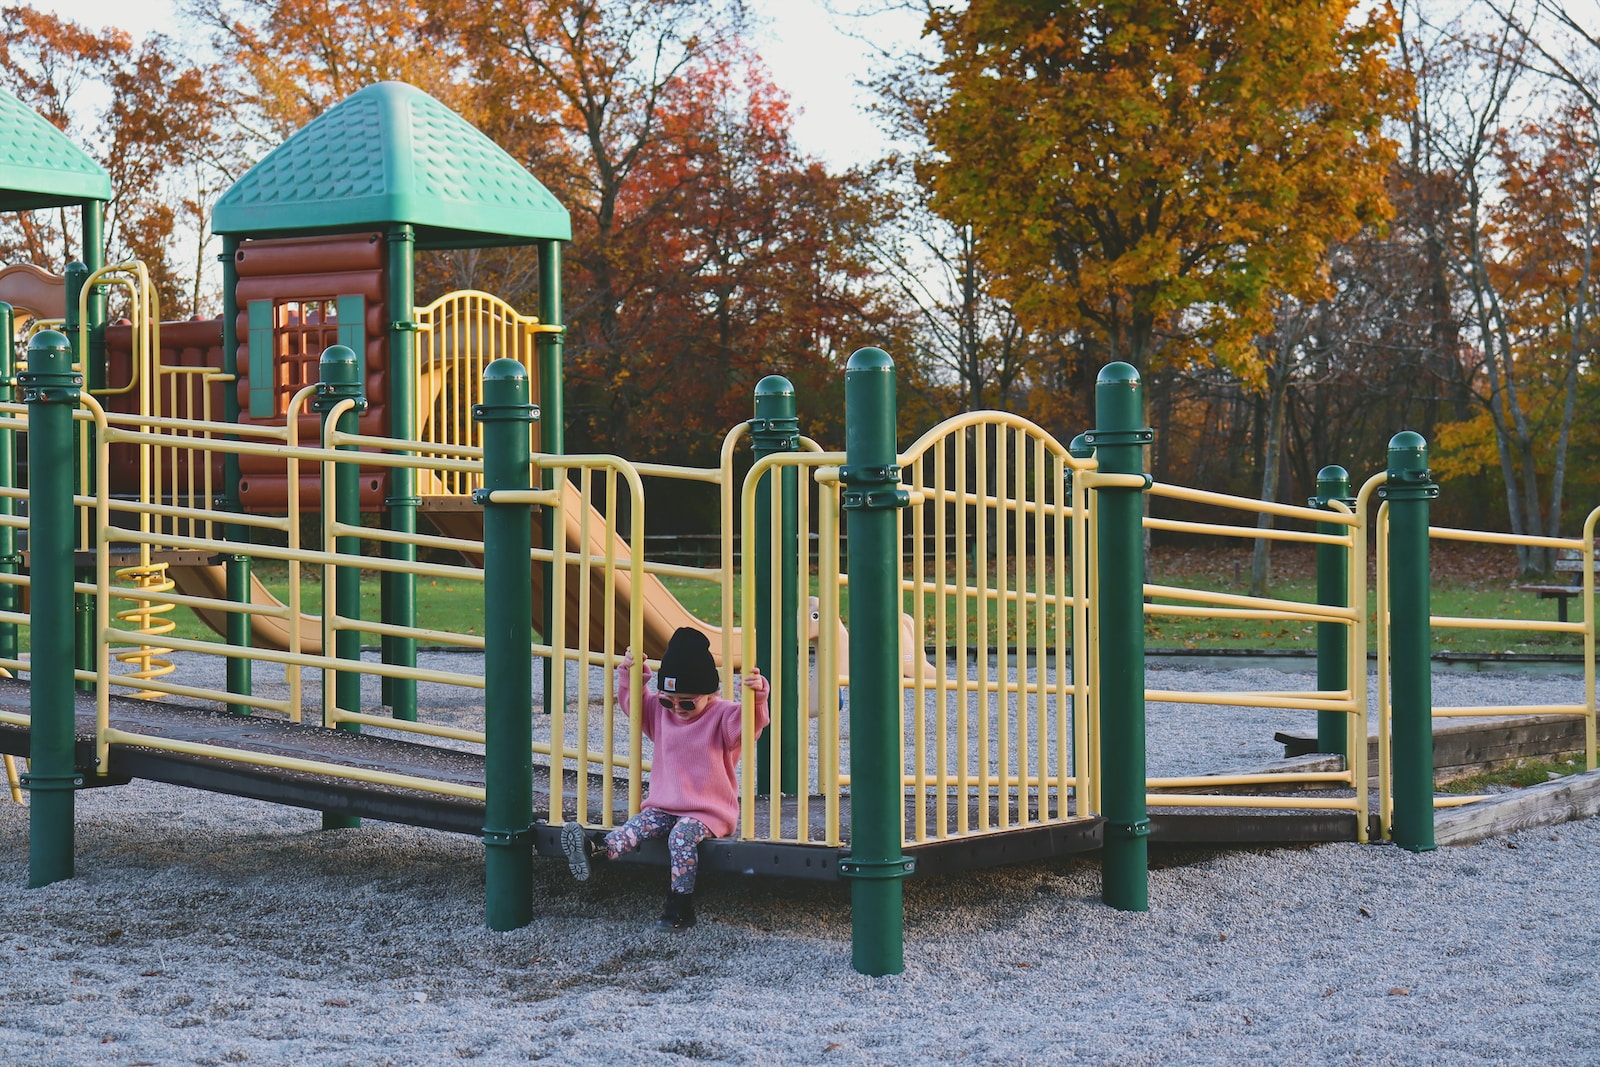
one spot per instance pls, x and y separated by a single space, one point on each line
692 771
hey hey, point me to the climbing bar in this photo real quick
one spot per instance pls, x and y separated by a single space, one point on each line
1253 533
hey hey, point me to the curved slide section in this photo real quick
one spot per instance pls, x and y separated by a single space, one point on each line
458 517
265 632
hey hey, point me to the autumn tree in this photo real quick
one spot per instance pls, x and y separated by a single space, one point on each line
1158 173
159 129
707 250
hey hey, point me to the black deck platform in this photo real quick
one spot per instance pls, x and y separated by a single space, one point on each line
344 796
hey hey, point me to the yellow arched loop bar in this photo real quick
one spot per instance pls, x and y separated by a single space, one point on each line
458 335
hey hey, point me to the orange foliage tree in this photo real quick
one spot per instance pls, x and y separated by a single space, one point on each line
1154 174
158 136
707 249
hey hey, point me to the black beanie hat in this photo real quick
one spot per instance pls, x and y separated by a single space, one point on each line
687 666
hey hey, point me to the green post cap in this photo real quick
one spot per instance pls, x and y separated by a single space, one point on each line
47 346
1116 398
502 369
774 385
1333 483
868 359
1408 450
1331 476
339 364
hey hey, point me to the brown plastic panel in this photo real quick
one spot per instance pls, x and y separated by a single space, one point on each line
295 256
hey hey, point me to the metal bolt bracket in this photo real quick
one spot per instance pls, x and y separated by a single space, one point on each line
877 869
507 838
505 412
1143 435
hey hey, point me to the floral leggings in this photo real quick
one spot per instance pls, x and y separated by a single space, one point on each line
683 836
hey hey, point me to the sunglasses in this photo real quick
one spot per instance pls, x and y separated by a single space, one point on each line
679 703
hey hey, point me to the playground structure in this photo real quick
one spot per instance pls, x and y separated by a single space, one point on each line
1016 734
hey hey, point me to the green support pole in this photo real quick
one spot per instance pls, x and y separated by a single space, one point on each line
1408 490
505 415
340 379
10 560
51 390
871 476
552 423
236 565
1119 592
94 257
83 605
776 428
400 589
1333 590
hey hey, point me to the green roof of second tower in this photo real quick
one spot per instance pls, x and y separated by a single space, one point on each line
39 166
392 154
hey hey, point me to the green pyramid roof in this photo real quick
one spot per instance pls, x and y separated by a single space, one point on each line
39 166
392 154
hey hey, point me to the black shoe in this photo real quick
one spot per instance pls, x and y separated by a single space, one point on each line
678 913
580 850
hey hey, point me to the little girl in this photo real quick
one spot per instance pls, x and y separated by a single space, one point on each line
693 793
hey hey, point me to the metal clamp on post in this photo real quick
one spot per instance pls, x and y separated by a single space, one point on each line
46 783
507 838
1139 828
1409 485
403 325
873 494
877 869
505 412
330 393
776 434
1143 435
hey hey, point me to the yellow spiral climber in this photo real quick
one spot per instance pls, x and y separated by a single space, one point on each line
146 619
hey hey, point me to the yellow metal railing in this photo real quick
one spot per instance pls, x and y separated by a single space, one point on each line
988 551
1201 790
457 336
1584 546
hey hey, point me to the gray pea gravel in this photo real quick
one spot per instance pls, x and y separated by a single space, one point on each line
202 929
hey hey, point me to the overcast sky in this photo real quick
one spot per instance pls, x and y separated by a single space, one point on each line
811 53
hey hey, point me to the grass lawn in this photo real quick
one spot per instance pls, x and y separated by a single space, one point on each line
1467 580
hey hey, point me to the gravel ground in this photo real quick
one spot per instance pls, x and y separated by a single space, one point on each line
205 930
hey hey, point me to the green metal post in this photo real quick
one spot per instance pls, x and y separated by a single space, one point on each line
871 476
1118 438
10 560
340 379
776 428
505 415
552 423
400 589
77 274
94 257
1408 490
1333 590
236 565
51 390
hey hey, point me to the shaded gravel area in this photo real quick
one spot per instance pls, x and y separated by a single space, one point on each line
208 930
